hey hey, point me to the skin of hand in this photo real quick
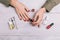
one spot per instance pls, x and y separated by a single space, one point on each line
38 17
21 9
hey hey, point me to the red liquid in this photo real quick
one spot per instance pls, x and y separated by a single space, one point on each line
48 26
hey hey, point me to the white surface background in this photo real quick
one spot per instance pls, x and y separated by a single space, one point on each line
25 31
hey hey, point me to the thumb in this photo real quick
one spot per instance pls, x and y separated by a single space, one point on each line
35 17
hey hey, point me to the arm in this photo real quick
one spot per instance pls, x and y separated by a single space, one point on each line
9 2
45 8
49 5
20 8
5 2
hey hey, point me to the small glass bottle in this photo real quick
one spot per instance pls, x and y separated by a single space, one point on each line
11 24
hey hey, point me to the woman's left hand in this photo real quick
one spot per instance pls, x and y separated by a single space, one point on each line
38 17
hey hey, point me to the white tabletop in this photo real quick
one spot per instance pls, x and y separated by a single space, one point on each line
25 30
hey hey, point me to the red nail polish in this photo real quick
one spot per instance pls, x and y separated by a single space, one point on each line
31 20
38 26
20 19
49 26
25 20
28 11
33 10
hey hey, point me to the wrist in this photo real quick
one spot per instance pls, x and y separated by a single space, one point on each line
13 2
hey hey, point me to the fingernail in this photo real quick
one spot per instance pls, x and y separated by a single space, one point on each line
33 19
24 20
38 26
28 20
33 25
33 10
20 19
28 11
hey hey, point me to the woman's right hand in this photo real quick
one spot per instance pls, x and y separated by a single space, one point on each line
21 10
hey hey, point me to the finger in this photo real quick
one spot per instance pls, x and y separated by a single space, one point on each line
27 9
20 17
18 14
37 21
35 17
23 16
26 15
34 23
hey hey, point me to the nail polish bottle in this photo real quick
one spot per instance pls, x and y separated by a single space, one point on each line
49 26
11 25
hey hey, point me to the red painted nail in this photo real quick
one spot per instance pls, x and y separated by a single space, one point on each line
28 11
31 20
38 26
33 10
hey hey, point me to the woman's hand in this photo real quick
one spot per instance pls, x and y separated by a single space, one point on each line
38 17
21 9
